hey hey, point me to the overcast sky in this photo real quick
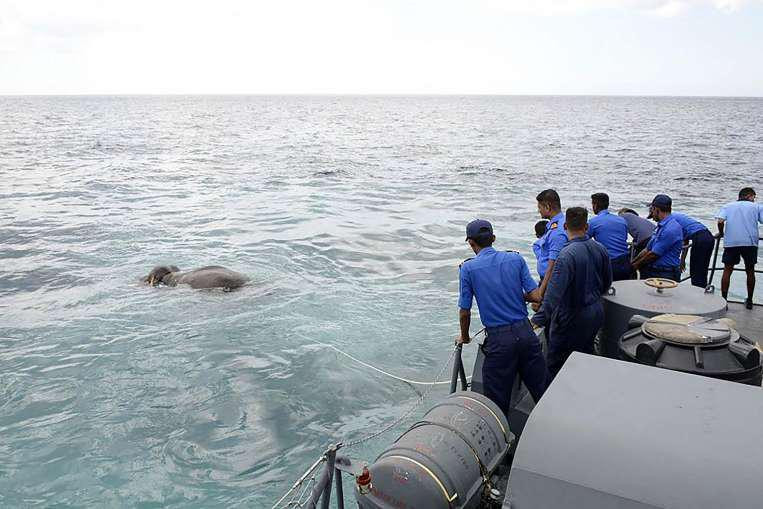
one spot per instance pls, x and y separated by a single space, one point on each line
688 47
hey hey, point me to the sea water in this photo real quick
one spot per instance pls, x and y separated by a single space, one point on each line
348 214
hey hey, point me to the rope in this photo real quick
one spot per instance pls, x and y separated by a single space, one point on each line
385 373
299 489
408 412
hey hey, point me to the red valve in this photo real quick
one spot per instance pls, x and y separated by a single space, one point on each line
364 481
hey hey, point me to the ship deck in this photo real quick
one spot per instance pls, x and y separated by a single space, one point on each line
749 322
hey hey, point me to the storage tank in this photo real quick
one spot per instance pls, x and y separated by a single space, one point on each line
651 297
692 344
444 460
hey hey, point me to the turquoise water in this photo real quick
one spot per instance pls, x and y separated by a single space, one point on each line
348 215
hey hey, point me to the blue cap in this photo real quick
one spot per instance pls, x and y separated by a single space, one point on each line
662 201
478 228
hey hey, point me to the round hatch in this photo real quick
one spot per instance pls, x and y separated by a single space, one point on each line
689 330
694 344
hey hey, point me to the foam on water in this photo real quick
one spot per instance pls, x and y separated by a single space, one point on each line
348 214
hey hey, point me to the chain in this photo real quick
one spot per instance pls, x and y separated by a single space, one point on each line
408 412
302 487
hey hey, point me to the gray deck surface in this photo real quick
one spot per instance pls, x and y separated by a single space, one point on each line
748 322
613 434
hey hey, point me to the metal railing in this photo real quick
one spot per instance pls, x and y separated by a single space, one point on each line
715 267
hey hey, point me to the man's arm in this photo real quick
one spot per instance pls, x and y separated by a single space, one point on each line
546 278
721 225
644 258
559 281
466 294
465 320
534 296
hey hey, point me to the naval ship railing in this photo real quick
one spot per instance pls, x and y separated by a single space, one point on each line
715 267
316 484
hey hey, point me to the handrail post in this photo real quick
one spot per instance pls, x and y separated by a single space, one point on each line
457 367
715 257
330 467
462 375
339 489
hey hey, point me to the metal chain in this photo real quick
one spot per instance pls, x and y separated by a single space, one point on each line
408 412
302 486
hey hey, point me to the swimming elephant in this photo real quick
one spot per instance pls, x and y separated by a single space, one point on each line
206 277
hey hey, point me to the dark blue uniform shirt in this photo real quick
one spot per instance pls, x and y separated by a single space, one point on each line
689 225
499 281
666 243
611 231
552 242
581 275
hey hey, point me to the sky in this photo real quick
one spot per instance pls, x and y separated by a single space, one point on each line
611 47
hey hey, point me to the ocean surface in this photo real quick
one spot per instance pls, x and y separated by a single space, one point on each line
348 213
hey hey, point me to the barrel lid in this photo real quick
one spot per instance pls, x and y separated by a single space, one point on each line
684 299
689 330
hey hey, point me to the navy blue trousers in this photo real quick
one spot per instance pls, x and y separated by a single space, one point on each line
621 268
702 245
509 350
673 273
576 334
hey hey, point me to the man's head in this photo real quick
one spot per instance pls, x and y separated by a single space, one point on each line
576 221
479 234
747 194
661 207
599 202
540 228
549 203
627 211
157 274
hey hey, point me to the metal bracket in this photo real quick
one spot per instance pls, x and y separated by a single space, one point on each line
350 466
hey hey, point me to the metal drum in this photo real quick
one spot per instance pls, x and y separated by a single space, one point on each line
651 297
443 460
702 346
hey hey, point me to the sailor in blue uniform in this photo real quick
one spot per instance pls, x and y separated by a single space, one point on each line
662 255
702 244
540 231
611 231
502 284
572 309
550 207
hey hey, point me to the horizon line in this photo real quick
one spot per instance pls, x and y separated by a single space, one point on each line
363 94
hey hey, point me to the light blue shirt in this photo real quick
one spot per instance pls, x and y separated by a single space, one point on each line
666 243
689 225
499 281
741 218
611 231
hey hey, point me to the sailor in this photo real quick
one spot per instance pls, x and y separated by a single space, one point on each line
662 256
540 230
501 283
738 225
611 231
572 309
702 243
555 238
639 229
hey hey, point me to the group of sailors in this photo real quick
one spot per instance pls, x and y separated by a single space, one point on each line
577 260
